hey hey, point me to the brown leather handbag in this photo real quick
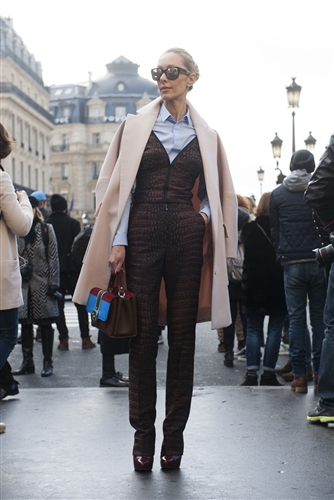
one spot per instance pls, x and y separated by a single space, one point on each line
114 311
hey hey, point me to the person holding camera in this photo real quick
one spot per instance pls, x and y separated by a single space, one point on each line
40 283
319 195
294 236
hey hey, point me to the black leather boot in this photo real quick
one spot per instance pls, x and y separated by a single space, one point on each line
47 348
28 365
109 376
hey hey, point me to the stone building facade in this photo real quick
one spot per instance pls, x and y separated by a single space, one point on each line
24 111
86 117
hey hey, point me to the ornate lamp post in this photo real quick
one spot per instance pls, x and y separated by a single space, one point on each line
310 142
260 176
293 93
276 144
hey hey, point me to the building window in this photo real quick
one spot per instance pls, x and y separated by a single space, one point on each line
36 178
66 112
120 87
29 137
64 171
13 170
96 138
43 181
13 127
36 142
64 142
94 200
21 174
29 176
96 113
43 146
120 113
21 134
95 169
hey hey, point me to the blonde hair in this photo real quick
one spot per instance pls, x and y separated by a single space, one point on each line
188 61
264 204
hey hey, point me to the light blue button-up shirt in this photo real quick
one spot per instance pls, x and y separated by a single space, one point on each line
174 137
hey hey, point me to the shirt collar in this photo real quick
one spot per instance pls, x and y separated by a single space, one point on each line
165 115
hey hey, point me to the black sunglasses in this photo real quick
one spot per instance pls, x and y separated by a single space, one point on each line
172 73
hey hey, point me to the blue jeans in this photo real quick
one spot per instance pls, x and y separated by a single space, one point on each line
301 281
326 372
254 338
8 333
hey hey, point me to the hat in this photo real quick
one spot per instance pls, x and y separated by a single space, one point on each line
39 195
58 203
302 160
33 201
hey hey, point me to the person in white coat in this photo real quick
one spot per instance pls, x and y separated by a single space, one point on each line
15 219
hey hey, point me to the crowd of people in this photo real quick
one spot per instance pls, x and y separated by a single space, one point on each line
193 251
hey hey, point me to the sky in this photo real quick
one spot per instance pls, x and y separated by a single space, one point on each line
247 52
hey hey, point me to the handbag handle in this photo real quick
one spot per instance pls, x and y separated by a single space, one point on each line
117 280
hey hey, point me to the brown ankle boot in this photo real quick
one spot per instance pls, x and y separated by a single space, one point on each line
87 343
299 384
63 344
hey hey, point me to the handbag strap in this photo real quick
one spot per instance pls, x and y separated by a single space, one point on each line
265 234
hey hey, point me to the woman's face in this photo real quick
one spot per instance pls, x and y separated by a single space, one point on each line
174 89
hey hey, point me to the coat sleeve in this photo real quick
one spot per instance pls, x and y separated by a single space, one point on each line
319 194
274 221
53 259
108 166
16 213
228 201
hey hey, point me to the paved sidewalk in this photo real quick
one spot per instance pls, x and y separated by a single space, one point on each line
241 443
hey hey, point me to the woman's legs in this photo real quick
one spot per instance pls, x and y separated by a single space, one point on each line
8 333
163 243
27 336
273 341
47 347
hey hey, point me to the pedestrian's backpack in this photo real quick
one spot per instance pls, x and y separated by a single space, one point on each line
79 246
235 266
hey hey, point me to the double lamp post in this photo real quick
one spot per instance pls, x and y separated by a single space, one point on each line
293 95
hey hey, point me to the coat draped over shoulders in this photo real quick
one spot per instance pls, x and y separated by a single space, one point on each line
116 179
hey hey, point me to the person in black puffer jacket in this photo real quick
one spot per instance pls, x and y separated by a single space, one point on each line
295 237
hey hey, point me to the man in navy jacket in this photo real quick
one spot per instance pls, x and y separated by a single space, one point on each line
295 237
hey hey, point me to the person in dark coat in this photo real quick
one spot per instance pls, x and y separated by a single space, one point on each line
262 295
295 237
40 305
66 229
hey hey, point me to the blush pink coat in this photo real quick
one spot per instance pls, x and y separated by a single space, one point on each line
117 176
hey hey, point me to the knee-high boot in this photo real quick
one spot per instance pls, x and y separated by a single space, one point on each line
47 348
28 366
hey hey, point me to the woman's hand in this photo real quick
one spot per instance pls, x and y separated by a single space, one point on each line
205 217
19 194
116 259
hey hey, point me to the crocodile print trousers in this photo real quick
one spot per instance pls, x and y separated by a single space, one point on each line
165 241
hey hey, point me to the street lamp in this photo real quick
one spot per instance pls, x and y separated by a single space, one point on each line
260 176
310 142
293 93
276 144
